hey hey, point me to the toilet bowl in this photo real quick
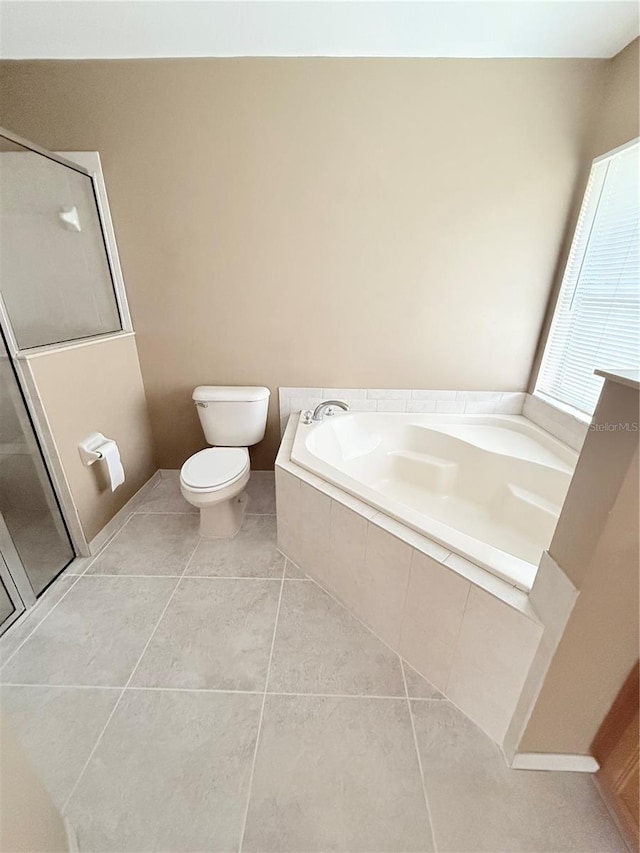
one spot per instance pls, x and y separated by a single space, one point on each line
213 480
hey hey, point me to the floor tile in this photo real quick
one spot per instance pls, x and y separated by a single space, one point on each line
215 634
418 687
478 804
335 773
150 545
261 490
58 727
321 648
252 553
292 572
95 634
18 632
166 497
171 773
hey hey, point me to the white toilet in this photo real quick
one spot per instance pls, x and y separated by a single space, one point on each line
232 418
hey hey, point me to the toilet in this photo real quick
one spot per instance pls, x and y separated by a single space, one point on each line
232 418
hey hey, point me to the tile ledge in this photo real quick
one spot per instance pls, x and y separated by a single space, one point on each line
555 761
624 377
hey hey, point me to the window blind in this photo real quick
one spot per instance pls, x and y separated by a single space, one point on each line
596 323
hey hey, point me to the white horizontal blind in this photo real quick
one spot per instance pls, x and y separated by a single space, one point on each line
597 318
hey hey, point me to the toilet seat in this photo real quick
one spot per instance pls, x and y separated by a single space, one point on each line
214 468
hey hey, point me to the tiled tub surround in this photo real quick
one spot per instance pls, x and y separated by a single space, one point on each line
564 426
293 400
471 634
238 706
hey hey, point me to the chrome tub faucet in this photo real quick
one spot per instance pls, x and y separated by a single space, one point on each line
327 408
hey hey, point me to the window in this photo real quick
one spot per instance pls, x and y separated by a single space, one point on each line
56 280
596 323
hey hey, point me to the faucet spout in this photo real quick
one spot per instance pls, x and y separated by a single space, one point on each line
327 407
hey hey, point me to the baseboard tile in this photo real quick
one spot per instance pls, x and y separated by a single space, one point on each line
118 520
554 761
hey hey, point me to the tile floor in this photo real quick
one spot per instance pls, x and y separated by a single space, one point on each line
185 695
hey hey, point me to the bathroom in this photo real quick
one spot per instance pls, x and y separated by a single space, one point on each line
237 619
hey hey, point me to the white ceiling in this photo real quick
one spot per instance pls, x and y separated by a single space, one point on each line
109 29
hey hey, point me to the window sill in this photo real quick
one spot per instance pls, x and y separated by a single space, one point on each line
576 414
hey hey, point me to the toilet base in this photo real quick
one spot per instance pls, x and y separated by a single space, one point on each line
223 520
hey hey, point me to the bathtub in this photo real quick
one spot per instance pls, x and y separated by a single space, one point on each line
487 487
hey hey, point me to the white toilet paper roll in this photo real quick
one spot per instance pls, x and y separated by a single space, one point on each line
111 455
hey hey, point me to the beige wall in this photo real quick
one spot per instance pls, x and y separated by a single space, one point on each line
372 223
617 120
29 821
596 544
97 388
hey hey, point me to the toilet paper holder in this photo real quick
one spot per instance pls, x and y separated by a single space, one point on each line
89 448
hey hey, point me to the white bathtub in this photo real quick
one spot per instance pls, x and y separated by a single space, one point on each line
487 487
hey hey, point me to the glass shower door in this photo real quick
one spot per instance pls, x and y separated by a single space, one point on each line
33 536
11 604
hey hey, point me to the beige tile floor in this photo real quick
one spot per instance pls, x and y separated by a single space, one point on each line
184 695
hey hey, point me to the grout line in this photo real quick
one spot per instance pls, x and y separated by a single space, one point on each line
119 699
420 768
259 514
399 697
403 615
342 696
66 686
264 699
190 577
196 690
186 512
164 512
455 645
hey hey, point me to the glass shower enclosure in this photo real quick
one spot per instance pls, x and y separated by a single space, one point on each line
33 536
56 288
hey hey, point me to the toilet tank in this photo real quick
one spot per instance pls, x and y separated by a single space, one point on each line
232 415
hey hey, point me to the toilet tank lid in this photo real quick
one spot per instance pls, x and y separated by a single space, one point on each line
229 393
